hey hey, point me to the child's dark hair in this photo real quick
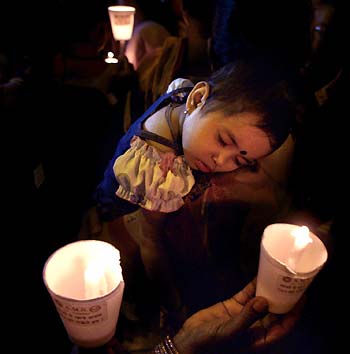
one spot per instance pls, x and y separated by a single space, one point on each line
257 86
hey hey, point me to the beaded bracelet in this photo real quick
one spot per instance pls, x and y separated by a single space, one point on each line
166 347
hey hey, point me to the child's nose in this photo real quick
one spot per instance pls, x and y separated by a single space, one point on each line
223 158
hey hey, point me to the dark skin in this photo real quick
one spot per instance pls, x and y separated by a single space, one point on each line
242 323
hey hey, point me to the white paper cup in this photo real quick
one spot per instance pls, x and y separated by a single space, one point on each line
279 280
88 306
122 21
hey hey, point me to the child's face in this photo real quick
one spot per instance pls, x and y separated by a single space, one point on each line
214 143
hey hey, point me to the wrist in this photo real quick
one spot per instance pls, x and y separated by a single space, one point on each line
167 346
183 343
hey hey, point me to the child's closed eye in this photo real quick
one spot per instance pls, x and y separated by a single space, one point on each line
221 141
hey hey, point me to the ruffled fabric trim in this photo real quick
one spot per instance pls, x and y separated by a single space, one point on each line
154 180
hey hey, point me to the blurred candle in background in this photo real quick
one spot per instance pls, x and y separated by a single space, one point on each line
122 23
111 59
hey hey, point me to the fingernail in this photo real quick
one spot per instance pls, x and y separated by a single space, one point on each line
260 304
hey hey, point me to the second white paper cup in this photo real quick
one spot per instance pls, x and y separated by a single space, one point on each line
276 281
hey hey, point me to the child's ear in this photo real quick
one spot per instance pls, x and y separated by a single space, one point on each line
197 96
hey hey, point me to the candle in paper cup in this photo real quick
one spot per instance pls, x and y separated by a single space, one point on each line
122 21
290 258
85 282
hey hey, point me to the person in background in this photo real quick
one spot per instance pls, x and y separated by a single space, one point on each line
149 33
153 24
185 54
245 28
325 80
320 142
83 46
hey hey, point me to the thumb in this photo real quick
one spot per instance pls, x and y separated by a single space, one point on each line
252 311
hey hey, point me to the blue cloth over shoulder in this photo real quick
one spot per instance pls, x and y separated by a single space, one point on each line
110 206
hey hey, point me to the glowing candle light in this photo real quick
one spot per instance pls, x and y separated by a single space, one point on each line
111 59
302 239
122 24
85 281
290 258
122 21
95 280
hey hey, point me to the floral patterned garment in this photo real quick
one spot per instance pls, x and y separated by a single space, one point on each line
152 179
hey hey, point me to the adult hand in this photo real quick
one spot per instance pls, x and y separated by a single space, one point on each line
124 68
240 323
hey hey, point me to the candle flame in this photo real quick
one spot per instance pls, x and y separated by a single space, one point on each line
93 273
95 280
110 54
301 237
